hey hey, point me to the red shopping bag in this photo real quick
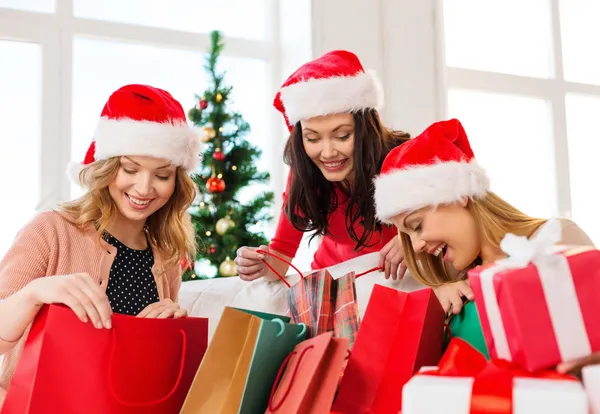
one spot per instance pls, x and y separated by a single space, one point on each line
308 378
323 303
400 333
138 366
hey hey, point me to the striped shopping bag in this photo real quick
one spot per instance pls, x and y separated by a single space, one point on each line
323 303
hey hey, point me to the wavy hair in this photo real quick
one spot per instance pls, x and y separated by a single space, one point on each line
169 229
311 197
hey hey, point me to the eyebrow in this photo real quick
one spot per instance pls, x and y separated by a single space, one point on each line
405 219
130 160
334 129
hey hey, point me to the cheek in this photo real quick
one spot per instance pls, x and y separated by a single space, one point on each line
165 189
313 150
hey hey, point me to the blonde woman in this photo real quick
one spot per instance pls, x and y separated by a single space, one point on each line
118 247
448 219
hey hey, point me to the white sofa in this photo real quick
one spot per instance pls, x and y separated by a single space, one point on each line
207 298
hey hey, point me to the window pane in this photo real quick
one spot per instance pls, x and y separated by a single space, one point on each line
512 140
584 146
580 31
508 36
100 67
20 126
42 6
237 18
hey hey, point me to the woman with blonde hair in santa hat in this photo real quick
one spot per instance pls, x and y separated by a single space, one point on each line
434 191
119 246
336 146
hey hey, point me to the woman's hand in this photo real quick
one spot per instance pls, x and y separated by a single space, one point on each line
164 309
78 291
250 264
391 258
451 295
574 367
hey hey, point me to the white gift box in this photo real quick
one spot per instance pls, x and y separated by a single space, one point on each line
425 394
591 382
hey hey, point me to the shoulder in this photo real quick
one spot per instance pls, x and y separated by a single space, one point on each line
572 234
49 225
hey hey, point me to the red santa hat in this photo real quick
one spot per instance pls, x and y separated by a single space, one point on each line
142 120
334 83
436 167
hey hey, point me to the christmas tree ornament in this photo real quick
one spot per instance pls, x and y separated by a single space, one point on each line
204 269
212 249
208 133
215 185
218 155
219 97
228 268
224 224
203 104
186 264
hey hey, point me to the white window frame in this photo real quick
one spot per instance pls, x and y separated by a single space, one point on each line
55 33
553 89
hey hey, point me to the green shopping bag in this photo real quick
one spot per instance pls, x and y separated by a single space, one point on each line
466 325
241 363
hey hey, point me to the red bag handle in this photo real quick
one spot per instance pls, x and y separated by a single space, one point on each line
280 373
145 403
374 269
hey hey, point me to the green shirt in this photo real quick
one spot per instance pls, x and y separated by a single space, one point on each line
466 325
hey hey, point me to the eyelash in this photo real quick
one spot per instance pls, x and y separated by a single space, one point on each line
345 137
419 227
131 172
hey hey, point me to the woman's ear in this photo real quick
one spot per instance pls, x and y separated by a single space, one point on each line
464 201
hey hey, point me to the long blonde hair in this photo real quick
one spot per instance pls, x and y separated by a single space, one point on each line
169 229
493 215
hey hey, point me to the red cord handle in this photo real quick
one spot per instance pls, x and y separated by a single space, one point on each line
145 403
282 260
275 407
374 269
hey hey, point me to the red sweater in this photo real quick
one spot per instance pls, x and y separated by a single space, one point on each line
335 247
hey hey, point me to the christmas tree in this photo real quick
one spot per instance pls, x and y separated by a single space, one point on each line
222 222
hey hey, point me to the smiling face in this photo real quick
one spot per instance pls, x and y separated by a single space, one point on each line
449 231
142 186
329 143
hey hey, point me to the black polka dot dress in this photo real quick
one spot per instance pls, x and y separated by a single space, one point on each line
131 284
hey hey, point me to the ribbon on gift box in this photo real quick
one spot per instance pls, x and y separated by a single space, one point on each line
492 390
557 284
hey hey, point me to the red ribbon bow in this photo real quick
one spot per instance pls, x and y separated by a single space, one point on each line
493 380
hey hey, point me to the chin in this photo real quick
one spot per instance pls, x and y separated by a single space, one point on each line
335 177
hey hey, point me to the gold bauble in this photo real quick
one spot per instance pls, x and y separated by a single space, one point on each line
224 224
208 133
219 97
228 268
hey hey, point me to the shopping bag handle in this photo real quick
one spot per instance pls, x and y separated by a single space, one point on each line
145 403
373 269
282 328
281 259
275 407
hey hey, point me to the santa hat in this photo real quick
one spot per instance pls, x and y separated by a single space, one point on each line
334 83
436 167
142 120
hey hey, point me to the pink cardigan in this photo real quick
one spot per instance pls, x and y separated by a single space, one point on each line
51 245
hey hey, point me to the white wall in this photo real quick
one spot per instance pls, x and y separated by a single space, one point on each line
396 38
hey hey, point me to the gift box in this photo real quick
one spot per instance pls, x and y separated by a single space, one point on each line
591 382
465 383
539 306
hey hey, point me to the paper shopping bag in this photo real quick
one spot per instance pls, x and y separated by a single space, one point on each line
241 362
400 333
323 303
308 379
138 366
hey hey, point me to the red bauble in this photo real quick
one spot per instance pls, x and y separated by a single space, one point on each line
203 104
218 155
215 185
187 264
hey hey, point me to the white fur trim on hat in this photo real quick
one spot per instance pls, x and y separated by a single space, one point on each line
419 186
316 97
179 143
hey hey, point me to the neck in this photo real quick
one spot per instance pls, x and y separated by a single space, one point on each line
130 233
489 253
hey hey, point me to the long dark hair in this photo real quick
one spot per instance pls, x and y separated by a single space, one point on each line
311 197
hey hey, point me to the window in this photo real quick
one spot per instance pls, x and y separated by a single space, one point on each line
523 78
236 18
20 106
41 6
